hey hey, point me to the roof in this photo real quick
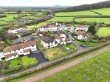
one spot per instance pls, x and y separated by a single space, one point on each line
80 32
18 40
18 46
58 37
48 39
10 55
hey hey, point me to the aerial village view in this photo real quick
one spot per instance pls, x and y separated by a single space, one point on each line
54 41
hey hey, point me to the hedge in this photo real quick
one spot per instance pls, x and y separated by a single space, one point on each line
11 69
48 64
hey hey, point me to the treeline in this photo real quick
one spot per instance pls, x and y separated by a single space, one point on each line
87 7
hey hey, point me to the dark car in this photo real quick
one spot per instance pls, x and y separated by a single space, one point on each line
82 45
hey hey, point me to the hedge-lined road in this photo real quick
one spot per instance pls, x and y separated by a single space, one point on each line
65 66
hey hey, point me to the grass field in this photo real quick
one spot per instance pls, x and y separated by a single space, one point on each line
9 18
37 25
96 69
103 11
105 20
61 19
54 53
103 31
75 13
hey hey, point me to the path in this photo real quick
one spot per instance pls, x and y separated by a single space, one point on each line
62 67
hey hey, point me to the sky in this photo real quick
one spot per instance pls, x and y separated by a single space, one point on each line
46 2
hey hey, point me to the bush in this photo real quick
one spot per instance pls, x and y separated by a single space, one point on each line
11 69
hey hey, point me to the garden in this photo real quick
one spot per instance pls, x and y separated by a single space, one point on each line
96 69
54 53
17 64
91 43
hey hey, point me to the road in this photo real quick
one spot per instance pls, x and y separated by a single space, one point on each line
64 66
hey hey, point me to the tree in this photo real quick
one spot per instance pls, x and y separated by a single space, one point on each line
92 30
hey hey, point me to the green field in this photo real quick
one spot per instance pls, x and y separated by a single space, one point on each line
9 18
75 13
105 20
103 11
61 19
103 31
96 69
37 25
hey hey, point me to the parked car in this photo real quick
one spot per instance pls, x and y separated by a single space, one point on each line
82 45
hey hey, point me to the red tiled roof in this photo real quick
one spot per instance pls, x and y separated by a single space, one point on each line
58 37
10 55
80 32
18 46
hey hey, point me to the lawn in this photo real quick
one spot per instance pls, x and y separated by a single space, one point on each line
96 69
14 62
75 13
61 19
105 20
89 43
69 46
54 53
103 31
28 61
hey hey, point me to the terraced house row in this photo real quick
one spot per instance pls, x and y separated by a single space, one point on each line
15 51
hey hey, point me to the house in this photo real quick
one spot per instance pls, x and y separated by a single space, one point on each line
62 27
49 27
81 28
49 42
70 29
22 39
14 51
17 30
81 35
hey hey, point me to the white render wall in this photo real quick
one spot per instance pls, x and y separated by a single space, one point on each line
20 52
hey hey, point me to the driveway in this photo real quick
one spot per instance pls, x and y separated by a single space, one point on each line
78 45
39 56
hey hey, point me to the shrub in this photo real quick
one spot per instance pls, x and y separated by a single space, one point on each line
11 69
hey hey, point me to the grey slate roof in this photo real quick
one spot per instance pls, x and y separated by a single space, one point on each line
22 39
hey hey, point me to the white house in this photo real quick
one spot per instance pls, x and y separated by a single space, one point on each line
81 28
17 30
49 42
70 29
14 51
81 35
48 28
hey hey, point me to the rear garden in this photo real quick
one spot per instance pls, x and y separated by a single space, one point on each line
17 64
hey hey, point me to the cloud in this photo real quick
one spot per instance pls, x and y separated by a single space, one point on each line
45 2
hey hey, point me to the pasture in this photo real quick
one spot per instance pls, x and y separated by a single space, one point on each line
105 20
103 11
61 19
96 69
103 31
78 13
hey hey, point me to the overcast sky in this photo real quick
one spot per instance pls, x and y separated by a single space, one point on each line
46 2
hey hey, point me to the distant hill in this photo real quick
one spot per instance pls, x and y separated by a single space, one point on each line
105 4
